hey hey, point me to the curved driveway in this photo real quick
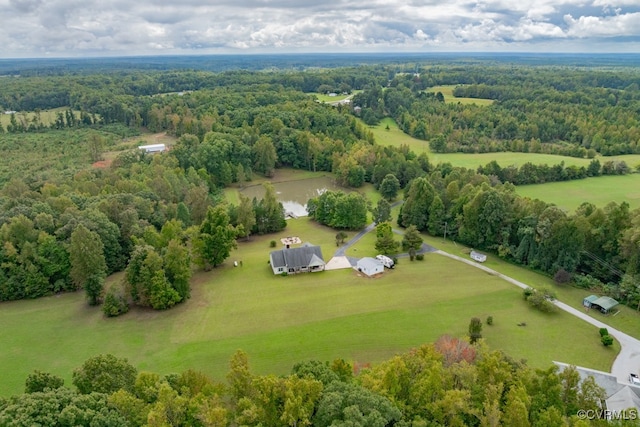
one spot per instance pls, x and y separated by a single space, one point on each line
627 361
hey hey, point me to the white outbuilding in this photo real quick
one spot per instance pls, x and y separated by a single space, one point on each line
153 148
370 266
477 256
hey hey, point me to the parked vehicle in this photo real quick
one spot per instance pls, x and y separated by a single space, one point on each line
386 261
633 379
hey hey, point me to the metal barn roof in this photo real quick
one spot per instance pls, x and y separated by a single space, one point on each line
606 303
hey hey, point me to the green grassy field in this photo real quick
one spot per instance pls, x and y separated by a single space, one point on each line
626 320
47 117
447 91
282 320
331 99
567 195
395 137
599 191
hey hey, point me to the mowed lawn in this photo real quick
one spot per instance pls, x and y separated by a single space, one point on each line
599 191
282 320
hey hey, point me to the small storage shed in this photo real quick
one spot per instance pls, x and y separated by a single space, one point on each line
370 266
587 301
477 256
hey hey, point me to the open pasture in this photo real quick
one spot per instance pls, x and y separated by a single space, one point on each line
599 191
281 320
394 136
47 117
568 195
625 320
447 91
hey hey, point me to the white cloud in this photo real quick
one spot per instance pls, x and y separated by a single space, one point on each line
93 27
604 26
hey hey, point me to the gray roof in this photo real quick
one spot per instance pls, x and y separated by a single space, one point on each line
626 398
303 256
369 263
618 396
277 258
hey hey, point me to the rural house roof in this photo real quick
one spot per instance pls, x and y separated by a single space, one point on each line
619 396
606 303
306 255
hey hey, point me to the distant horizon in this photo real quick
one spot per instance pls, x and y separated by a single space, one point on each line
322 53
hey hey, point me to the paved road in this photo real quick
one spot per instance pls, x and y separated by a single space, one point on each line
353 260
341 250
627 361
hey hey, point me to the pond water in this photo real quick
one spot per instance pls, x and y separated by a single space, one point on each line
294 194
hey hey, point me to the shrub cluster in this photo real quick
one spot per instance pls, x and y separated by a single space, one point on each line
541 299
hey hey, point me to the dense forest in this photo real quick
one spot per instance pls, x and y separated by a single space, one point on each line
448 383
235 124
537 110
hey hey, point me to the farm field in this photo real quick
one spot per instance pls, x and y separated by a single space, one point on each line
599 191
447 91
568 195
47 117
395 137
281 320
626 320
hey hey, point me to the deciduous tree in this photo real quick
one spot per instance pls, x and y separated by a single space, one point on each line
104 374
382 211
177 267
39 381
88 266
264 155
415 210
389 187
475 329
246 215
217 237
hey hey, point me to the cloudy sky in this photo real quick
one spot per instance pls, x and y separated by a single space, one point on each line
72 28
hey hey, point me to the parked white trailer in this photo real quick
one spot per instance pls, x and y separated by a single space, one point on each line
386 261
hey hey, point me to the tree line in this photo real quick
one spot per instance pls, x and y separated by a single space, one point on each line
597 243
446 383
529 173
